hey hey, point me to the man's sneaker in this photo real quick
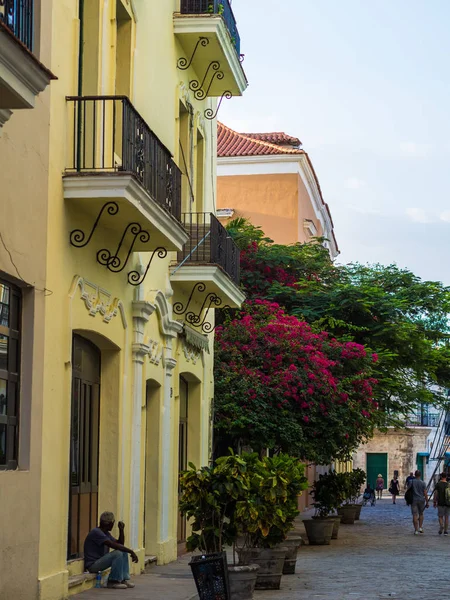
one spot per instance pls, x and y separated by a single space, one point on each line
420 530
416 533
440 531
116 585
128 583
445 532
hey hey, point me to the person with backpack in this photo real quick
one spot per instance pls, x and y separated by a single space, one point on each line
441 500
416 496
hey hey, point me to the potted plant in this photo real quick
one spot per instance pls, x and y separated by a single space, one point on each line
267 516
357 479
208 498
319 529
352 482
328 494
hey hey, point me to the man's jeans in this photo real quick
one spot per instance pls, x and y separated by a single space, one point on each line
118 561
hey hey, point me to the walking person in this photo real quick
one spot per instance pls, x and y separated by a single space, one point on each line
379 486
408 479
440 501
419 501
394 488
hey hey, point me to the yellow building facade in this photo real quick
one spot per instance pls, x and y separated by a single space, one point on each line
122 264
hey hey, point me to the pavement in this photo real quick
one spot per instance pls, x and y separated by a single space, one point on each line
377 558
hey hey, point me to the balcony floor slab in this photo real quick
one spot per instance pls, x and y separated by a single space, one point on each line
91 192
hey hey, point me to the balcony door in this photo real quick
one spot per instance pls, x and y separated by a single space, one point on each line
84 443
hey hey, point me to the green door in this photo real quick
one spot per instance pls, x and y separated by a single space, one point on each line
377 463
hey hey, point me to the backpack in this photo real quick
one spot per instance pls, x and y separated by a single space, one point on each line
409 495
447 495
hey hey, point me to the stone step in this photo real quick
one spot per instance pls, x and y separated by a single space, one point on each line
84 581
149 563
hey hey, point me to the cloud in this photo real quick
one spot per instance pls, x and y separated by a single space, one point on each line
414 150
445 216
418 215
353 183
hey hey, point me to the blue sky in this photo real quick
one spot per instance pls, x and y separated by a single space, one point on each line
366 88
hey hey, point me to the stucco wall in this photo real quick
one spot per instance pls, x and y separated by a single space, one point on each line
278 203
24 154
401 446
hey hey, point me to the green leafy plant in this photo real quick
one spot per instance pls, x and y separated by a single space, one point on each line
267 515
208 499
329 491
352 482
241 496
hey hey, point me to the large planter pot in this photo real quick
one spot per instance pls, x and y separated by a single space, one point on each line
319 531
358 511
270 562
336 523
242 579
348 514
292 544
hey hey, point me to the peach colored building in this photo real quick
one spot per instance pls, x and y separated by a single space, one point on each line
269 179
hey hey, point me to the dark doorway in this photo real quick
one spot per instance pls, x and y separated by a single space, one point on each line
182 453
84 443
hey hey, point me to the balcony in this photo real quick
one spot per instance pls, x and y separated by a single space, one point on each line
210 257
209 36
114 156
22 76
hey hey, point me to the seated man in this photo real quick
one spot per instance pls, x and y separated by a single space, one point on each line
97 556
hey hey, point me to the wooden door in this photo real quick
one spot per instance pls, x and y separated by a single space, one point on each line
84 443
377 463
182 450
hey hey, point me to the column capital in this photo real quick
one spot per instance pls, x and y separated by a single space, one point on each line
140 351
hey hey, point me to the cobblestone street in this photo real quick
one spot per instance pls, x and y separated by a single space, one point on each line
376 558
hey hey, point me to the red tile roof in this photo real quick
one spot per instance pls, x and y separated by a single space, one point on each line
232 143
275 137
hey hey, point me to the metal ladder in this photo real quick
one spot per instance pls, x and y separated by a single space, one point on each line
441 445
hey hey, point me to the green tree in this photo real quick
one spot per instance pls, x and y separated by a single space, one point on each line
391 311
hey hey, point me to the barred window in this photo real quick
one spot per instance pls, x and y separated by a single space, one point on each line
10 316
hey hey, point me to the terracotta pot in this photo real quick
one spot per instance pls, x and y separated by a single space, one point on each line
242 579
319 531
270 562
293 544
348 514
336 523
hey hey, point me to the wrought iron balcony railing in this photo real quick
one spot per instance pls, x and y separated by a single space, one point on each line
209 244
18 16
216 7
425 420
110 136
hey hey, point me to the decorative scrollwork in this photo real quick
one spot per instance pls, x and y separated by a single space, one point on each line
207 327
198 87
183 64
210 114
135 278
212 300
78 237
112 261
201 94
179 308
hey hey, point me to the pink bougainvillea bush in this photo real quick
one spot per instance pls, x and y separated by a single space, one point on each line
279 385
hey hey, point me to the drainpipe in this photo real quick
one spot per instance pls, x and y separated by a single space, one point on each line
80 78
81 45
